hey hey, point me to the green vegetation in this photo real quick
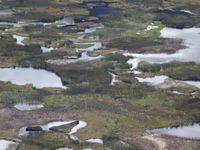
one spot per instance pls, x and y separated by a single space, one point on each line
175 70
113 113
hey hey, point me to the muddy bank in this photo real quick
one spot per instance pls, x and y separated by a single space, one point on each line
158 142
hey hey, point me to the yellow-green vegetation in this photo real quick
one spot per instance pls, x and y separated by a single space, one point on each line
175 70
113 113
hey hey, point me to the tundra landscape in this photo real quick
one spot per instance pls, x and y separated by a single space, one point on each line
99 74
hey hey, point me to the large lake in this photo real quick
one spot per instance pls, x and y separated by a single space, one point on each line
191 37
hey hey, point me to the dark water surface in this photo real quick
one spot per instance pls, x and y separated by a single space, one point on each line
102 11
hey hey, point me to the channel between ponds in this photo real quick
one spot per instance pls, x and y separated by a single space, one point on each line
191 39
191 53
86 54
23 76
115 78
66 21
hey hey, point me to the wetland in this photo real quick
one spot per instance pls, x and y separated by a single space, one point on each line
95 75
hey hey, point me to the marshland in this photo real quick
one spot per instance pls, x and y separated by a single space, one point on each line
96 75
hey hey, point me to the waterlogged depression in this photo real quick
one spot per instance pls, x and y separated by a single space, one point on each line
39 78
191 39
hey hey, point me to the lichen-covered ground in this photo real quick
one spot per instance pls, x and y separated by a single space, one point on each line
119 114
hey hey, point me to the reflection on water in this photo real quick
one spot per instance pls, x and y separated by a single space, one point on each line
39 78
191 38
190 131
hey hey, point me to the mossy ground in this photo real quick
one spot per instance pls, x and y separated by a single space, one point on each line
123 111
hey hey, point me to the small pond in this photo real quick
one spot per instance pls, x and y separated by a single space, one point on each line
39 78
28 107
174 12
102 11
46 49
187 131
19 39
99 141
157 80
114 78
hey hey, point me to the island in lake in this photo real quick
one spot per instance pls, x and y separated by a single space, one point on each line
99 75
